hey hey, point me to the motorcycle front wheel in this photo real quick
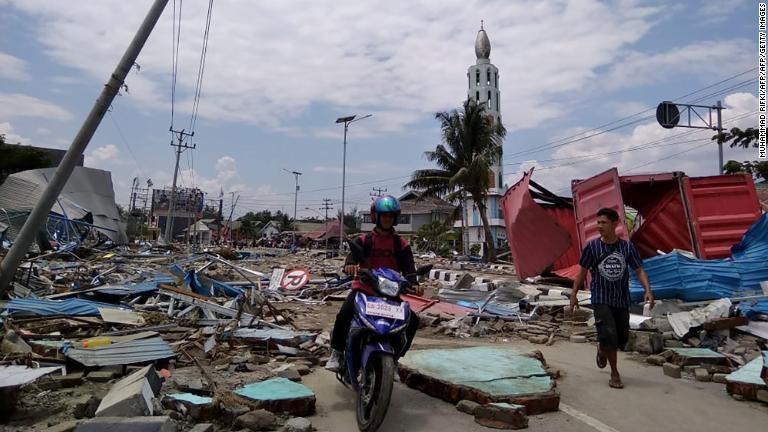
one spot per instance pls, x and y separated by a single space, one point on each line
375 391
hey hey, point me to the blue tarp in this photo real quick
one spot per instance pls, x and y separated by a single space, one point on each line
677 276
70 307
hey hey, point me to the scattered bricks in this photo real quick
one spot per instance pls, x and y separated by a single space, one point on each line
578 339
202 427
702 375
68 426
672 370
667 355
721 369
720 378
258 420
655 360
132 424
298 424
127 400
101 376
538 339
69 380
467 406
259 359
501 416
690 369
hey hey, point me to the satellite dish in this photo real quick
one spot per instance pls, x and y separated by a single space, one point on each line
667 114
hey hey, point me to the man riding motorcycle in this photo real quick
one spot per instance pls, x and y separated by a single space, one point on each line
382 247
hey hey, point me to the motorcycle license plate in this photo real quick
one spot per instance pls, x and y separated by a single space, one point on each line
385 310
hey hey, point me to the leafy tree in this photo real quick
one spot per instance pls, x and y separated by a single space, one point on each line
434 237
745 139
17 158
350 220
471 145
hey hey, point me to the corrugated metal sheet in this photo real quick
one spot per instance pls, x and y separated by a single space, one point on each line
566 218
535 238
122 353
15 375
592 194
676 276
722 207
147 286
70 307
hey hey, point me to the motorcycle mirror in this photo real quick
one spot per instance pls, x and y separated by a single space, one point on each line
425 269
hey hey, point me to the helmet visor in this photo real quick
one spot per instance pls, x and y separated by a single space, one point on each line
387 205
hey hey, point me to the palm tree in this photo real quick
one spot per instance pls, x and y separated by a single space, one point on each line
471 145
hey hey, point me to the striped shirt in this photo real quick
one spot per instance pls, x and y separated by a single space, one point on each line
608 264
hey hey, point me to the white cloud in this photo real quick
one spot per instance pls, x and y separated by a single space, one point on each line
13 68
11 136
715 58
15 105
268 63
577 160
101 156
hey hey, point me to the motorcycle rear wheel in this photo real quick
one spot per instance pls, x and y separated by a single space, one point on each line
375 391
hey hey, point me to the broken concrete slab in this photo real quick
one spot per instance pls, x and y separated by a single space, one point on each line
129 399
13 343
702 375
645 342
131 424
746 381
726 323
69 380
279 395
192 405
655 360
202 427
696 356
257 420
673 370
503 375
298 424
501 416
148 373
67 426
101 376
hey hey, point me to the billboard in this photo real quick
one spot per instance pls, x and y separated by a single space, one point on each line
188 202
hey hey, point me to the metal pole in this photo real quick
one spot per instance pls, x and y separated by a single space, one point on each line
343 185
78 146
295 202
719 131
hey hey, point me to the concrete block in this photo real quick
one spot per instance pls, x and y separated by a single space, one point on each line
702 375
69 380
202 427
645 342
720 378
539 339
673 370
762 396
127 400
655 360
148 373
298 424
501 416
578 339
200 408
256 420
131 424
467 406
101 376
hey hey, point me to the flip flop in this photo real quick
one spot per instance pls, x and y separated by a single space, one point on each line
616 384
601 361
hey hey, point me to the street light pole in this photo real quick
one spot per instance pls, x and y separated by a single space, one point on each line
346 120
296 174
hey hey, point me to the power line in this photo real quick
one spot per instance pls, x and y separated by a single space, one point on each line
201 68
175 39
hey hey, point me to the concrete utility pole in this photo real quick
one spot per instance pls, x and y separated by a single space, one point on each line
376 192
326 206
180 147
296 174
346 120
76 149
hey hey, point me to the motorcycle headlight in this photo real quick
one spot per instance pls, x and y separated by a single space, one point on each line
389 288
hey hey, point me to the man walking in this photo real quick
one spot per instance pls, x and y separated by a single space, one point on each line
608 259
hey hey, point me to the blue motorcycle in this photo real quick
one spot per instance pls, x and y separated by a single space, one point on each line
375 342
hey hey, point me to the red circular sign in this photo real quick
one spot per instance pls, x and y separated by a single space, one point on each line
294 279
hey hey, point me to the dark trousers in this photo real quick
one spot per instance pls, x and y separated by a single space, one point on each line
612 327
344 322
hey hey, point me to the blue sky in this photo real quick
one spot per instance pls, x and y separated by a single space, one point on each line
279 73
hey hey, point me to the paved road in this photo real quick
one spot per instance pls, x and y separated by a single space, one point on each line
650 401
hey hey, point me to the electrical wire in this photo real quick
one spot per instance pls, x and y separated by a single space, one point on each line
201 69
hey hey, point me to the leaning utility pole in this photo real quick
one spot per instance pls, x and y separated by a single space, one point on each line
76 149
180 147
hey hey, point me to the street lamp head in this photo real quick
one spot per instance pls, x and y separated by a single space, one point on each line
345 119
